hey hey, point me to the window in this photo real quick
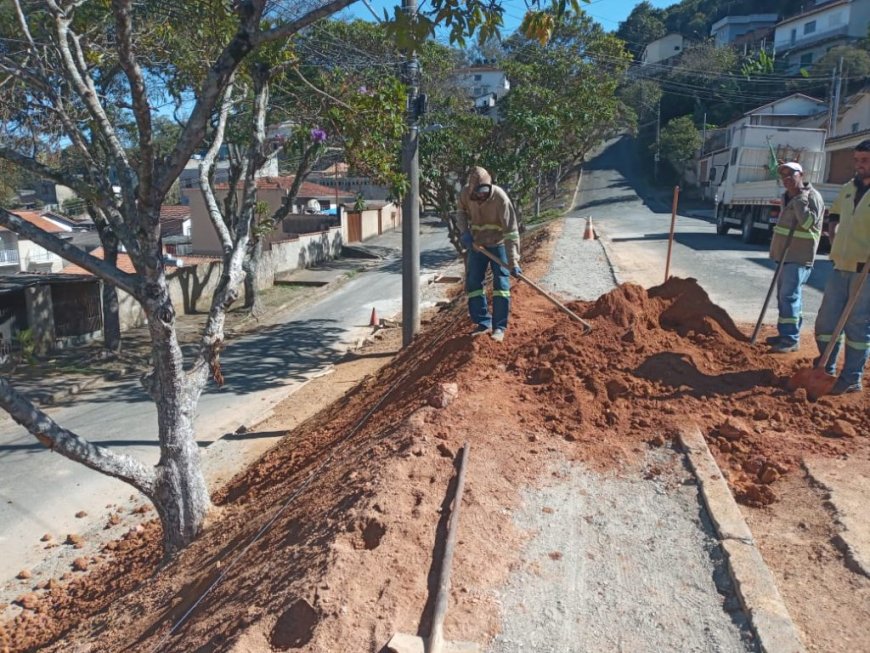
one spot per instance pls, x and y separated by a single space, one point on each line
477 78
810 27
793 36
734 156
855 126
806 59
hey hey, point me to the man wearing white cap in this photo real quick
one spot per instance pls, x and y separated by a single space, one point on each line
802 208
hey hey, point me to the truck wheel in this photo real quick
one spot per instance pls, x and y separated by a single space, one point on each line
721 225
748 234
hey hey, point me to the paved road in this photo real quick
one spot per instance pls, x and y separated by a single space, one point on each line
735 275
41 492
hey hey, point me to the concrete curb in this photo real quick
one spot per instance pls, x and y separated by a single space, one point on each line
755 585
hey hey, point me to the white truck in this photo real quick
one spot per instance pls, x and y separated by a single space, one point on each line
748 196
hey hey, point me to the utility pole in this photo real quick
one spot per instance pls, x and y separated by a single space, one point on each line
831 102
658 138
411 203
838 88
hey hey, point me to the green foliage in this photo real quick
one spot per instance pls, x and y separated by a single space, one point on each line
680 140
27 344
74 206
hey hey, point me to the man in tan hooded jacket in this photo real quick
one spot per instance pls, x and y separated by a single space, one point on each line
487 218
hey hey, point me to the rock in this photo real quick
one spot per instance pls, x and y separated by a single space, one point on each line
842 429
768 475
80 514
760 414
443 395
657 441
445 451
733 429
241 430
616 389
542 375
28 601
800 395
24 574
114 520
80 564
46 538
42 585
75 540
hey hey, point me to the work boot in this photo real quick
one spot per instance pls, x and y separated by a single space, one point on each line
784 347
479 330
842 387
773 340
498 335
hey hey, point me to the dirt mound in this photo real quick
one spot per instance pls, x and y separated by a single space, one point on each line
355 497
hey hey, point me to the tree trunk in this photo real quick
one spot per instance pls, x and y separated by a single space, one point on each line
251 266
111 316
180 493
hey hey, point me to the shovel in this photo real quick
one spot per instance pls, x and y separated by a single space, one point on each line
816 380
773 284
404 643
587 326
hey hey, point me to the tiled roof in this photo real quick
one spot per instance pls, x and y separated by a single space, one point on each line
125 263
36 219
307 189
174 212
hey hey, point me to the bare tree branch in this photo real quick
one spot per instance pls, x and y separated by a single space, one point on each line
70 445
141 106
68 251
288 29
82 189
206 178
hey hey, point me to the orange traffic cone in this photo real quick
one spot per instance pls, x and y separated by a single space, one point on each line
374 321
589 234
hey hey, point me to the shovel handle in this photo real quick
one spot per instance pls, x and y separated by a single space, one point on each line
773 284
540 290
436 634
844 316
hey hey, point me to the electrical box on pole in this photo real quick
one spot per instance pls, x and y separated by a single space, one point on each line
411 202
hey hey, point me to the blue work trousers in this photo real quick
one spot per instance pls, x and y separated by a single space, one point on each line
857 330
501 289
789 287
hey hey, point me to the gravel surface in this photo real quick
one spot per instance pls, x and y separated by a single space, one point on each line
619 563
580 268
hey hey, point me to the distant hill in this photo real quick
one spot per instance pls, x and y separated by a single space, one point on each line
694 18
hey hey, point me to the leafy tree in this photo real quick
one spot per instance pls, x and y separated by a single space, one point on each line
680 140
641 27
74 73
856 66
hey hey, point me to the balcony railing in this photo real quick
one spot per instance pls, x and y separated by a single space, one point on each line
802 41
9 257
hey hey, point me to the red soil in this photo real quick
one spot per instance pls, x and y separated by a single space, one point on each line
357 494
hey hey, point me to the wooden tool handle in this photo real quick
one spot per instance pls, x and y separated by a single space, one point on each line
436 635
543 292
844 316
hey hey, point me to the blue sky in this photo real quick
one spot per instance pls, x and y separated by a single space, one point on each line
606 12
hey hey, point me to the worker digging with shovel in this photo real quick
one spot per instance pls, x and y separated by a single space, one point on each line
846 302
487 219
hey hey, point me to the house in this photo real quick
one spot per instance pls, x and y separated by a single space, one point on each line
660 50
20 254
480 81
851 127
739 30
271 190
176 228
58 310
189 177
803 39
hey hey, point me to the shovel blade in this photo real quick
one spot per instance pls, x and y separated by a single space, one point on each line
814 380
404 643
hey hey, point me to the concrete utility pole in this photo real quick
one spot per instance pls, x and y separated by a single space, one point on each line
838 88
658 138
411 203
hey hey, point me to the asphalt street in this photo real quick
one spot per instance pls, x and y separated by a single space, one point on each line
41 491
635 224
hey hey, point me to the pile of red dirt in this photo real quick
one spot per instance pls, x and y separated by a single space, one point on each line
353 498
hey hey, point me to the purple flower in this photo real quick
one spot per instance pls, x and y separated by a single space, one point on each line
363 90
318 135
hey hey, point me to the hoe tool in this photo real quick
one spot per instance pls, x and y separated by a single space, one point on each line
404 643
587 327
776 274
815 380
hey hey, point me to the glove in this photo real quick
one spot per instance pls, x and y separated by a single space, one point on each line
516 271
466 239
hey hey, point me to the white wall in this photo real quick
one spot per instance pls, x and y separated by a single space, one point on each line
664 48
32 257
